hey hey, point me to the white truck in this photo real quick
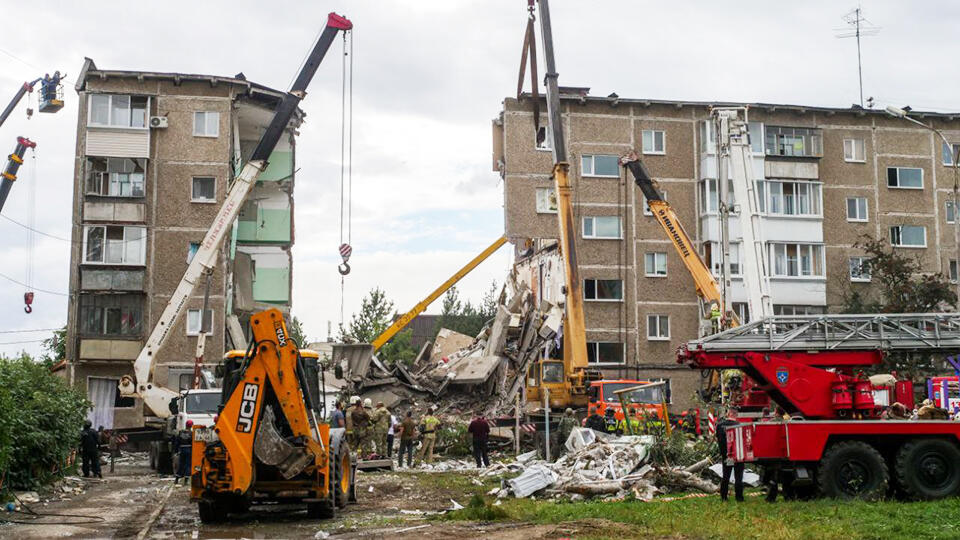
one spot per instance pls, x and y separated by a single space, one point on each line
200 406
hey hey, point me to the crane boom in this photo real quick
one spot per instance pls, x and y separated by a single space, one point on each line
402 322
157 397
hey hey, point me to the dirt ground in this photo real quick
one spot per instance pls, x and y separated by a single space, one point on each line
136 503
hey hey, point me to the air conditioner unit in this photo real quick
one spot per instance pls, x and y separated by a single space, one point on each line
158 121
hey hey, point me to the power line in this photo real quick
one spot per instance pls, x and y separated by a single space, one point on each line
30 330
8 278
29 228
22 342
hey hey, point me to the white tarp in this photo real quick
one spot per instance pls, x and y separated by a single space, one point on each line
103 394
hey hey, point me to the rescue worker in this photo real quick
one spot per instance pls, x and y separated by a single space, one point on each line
715 316
183 442
728 464
348 423
480 430
408 432
610 421
596 422
361 427
623 429
567 423
380 418
430 425
90 450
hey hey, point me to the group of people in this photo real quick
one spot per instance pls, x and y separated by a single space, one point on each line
373 431
637 424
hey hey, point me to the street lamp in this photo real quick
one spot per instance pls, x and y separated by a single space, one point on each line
955 157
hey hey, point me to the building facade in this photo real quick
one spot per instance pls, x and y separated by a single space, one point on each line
155 156
827 177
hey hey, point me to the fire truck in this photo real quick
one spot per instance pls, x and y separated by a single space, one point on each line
827 437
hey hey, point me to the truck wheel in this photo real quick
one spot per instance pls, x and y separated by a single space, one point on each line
212 511
342 475
853 470
929 469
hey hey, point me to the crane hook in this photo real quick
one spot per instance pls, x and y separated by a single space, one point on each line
28 300
345 251
344 268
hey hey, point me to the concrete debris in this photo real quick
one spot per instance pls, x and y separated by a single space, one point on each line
321 535
447 343
455 505
27 497
533 479
750 478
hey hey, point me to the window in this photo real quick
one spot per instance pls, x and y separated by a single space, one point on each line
646 206
655 264
904 178
658 327
710 199
114 244
118 111
601 227
856 209
853 150
950 214
859 269
742 309
603 289
792 198
793 141
949 151
713 256
206 124
797 260
115 177
708 143
194 322
908 236
204 189
544 139
599 165
787 309
553 372
191 251
599 352
653 141
953 270
112 315
99 388
546 201
666 387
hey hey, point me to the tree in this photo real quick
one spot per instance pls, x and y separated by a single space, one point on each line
376 315
464 317
898 284
295 328
55 347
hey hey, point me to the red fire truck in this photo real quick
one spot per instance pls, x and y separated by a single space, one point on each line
834 443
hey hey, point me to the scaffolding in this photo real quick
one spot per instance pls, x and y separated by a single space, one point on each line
910 332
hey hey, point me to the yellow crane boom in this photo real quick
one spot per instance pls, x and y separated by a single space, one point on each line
403 321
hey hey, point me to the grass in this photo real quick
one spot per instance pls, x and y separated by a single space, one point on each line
708 518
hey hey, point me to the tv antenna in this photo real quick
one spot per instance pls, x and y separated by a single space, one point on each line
857 26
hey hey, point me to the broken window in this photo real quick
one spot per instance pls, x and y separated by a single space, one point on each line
116 177
109 110
544 139
206 124
653 141
546 201
908 236
658 327
599 165
949 151
111 315
204 189
600 352
904 178
194 322
655 264
114 244
603 289
601 227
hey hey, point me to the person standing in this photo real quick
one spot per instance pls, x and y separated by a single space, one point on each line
184 444
567 423
408 430
430 425
480 430
381 421
390 434
596 422
90 450
337 420
361 424
610 421
728 464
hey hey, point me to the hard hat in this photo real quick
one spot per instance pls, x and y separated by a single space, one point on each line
189 423
568 411
354 399
609 411
367 403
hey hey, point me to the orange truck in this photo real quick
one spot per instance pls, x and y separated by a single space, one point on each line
644 401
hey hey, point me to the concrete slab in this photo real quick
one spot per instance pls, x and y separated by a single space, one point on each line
447 343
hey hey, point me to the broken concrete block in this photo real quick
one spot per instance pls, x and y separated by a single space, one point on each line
498 333
535 478
551 325
447 343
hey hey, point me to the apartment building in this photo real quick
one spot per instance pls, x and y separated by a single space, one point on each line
826 177
155 156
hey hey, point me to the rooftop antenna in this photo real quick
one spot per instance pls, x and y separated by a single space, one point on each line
857 25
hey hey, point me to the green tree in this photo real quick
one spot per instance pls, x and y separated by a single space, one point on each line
376 315
297 333
898 284
55 347
459 316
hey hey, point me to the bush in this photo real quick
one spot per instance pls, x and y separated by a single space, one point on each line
40 421
682 449
454 441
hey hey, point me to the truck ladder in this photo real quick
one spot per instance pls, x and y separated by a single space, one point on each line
915 332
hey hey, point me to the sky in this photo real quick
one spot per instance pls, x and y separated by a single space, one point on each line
429 76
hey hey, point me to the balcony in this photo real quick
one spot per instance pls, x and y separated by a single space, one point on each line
793 142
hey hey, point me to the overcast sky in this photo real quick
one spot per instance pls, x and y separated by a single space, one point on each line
429 77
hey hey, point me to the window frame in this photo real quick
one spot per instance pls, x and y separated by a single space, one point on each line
952 270
655 274
853 147
104 262
593 166
596 290
953 152
118 399
797 261
653 140
866 210
110 108
194 199
771 197
135 305
536 200
206 124
898 186
547 140
194 333
908 246
595 345
593 235
105 178
859 279
948 205
658 337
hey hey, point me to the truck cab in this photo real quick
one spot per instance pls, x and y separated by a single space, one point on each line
200 406
642 401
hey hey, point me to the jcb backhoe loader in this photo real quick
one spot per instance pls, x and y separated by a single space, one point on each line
267 444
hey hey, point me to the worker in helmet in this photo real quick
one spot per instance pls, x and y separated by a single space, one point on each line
610 421
184 444
567 423
624 429
430 425
361 426
715 316
348 423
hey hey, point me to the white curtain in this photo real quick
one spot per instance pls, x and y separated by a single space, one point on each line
102 393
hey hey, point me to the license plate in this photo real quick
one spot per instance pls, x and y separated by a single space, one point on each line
206 435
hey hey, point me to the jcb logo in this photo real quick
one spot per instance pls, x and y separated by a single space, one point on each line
281 336
248 406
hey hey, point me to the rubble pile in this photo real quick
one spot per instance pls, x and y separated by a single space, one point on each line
599 465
